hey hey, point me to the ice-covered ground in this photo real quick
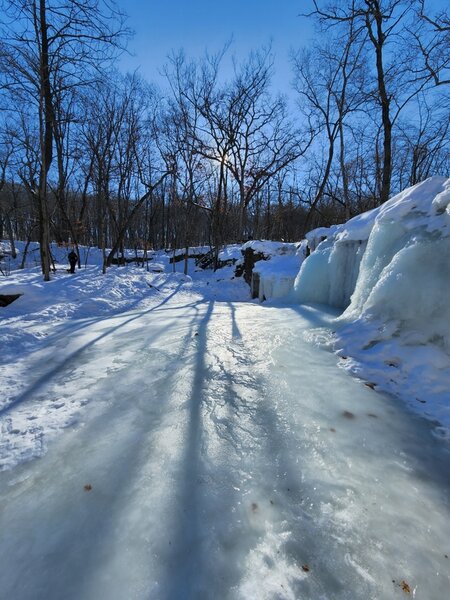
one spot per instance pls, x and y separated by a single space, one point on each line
220 455
173 441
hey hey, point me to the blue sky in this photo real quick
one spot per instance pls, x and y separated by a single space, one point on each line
199 24
195 25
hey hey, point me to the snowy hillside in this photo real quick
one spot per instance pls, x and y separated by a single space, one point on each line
390 270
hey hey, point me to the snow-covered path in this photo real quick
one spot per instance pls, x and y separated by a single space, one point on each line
221 455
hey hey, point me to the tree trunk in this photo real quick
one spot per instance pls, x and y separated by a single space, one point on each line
10 236
378 42
344 174
46 143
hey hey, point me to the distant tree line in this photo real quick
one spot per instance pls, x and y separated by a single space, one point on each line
92 156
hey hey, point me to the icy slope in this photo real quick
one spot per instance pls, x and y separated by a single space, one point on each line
390 269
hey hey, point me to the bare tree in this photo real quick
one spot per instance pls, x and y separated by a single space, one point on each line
180 144
238 127
140 168
263 140
384 23
6 151
423 145
48 46
432 36
329 79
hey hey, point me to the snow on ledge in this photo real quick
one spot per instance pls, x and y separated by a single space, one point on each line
278 271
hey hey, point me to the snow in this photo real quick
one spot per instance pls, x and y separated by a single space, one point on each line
162 436
231 252
193 251
269 248
277 275
316 236
278 270
219 455
390 270
59 312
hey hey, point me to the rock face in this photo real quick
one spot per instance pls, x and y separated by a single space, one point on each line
255 285
270 268
6 299
250 259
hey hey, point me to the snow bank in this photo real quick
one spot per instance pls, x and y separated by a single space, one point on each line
277 272
316 236
36 330
269 248
390 270
230 253
277 276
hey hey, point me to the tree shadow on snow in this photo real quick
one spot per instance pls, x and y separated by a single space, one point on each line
66 363
219 529
185 556
77 532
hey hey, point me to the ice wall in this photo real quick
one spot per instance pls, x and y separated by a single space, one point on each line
405 272
391 264
390 270
329 274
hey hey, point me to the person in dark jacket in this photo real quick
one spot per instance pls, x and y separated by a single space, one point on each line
73 259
